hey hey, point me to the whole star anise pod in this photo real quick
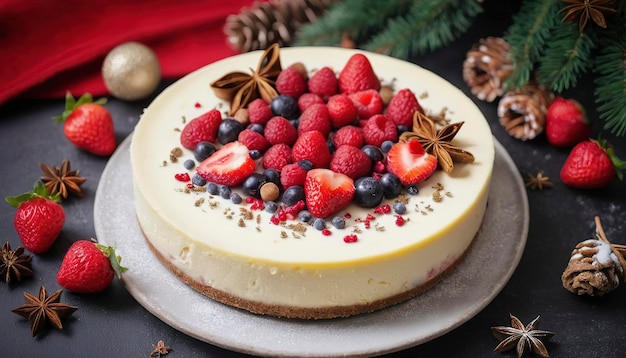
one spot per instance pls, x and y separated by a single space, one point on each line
14 264
438 142
62 179
524 339
240 88
587 9
160 349
44 310
538 181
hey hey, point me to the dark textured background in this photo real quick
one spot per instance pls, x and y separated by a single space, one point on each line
113 324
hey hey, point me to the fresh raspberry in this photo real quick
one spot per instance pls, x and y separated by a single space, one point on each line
312 146
292 174
323 83
259 111
341 110
350 135
378 129
307 100
201 129
357 75
277 156
402 107
290 82
350 161
280 130
253 140
367 103
315 118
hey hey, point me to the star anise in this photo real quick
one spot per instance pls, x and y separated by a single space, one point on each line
538 181
160 349
62 179
240 88
524 339
14 264
44 310
587 9
438 142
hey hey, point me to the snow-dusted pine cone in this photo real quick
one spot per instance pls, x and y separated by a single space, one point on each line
593 269
523 112
486 67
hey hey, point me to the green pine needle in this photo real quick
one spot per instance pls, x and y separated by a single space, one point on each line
610 68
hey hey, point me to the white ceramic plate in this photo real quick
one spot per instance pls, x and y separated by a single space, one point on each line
449 304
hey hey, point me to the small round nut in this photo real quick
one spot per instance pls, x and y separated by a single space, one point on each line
269 191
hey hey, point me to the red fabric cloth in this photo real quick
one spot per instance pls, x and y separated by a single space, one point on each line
48 47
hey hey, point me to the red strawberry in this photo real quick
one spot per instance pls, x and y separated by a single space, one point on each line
358 75
402 107
312 146
323 83
591 164
378 129
280 130
230 165
253 140
292 174
290 82
327 192
315 118
350 161
409 162
89 267
367 103
38 219
307 100
341 110
566 123
88 125
350 135
201 129
259 112
277 156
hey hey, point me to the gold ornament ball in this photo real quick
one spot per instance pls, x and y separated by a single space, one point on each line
131 71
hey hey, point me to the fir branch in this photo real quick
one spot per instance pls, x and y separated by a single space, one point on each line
428 25
528 35
568 54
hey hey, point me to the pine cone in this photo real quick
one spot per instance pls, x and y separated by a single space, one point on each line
276 21
593 269
486 67
523 112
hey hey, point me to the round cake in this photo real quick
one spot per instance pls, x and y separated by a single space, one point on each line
247 256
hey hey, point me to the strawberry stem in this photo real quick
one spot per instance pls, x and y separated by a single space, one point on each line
71 104
39 190
116 261
618 164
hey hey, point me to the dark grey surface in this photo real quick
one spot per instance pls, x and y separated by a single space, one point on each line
113 324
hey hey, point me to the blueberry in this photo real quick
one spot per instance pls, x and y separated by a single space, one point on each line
236 198
197 180
319 224
189 164
368 192
305 164
257 128
330 144
225 191
391 185
399 208
402 129
293 194
284 106
386 146
339 222
412 190
305 216
272 176
271 207
295 123
203 150
373 152
229 130
252 185
212 188
255 154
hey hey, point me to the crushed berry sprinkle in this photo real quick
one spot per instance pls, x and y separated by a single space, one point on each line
350 238
326 232
197 105
399 220
347 215
189 186
184 177
384 209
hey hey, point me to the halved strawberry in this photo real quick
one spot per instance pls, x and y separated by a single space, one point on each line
327 192
230 165
409 162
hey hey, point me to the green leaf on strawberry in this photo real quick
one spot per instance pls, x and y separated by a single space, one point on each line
618 164
39 190
116 260
71 104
